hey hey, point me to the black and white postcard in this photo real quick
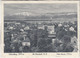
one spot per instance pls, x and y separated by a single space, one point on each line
40 28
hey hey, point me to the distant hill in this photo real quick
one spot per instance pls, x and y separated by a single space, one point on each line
44 17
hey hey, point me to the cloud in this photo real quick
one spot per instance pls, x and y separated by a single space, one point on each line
39 8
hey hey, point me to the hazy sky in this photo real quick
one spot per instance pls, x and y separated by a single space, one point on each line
39 8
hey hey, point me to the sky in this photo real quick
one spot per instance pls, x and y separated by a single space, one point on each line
39 8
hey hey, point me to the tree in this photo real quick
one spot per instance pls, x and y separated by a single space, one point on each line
60 34
66 39
44 45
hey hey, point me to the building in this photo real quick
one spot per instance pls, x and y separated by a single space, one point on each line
26 42
52 35
27 28
41 26
51 31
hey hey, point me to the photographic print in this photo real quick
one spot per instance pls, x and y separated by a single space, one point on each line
40 27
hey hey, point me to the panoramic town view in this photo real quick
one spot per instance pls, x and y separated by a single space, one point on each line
40 28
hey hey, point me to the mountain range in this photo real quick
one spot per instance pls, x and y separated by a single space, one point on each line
69 16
